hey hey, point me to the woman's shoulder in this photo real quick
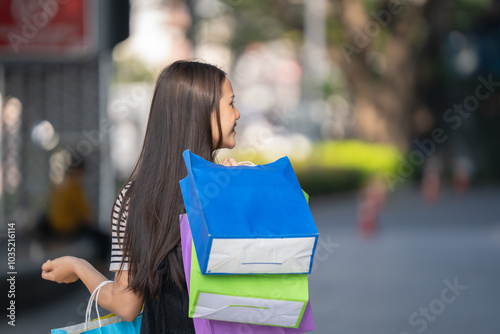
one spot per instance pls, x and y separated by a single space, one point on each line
118 205
123 191
121 196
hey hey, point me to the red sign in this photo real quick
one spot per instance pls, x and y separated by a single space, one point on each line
47 28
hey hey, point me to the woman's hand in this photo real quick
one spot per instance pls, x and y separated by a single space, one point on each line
61 270
230 162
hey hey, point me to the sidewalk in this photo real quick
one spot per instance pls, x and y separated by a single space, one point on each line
394 282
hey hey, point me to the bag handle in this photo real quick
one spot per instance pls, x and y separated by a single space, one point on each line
247 163
94 297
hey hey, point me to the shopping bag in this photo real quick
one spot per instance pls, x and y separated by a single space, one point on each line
233 209
205 326
106 325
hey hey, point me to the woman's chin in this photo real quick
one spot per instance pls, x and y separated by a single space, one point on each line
231 144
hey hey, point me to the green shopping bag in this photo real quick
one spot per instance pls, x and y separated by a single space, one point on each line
105 325
274 300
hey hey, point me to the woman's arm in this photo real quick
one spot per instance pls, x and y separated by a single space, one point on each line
114 297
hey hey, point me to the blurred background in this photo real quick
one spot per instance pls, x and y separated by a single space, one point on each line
388 110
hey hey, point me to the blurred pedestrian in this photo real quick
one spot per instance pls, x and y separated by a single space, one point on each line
462 170
69 209
431 179
69 213
371 203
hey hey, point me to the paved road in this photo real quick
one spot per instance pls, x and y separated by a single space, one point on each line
398 282
427 270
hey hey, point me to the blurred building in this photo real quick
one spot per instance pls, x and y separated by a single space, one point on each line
55 68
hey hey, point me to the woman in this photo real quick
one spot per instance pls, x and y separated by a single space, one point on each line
192 108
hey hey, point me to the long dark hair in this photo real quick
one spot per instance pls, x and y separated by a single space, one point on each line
186 94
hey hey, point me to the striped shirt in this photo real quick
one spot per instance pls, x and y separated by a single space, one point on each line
116 250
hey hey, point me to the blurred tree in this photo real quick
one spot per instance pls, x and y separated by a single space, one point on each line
258 20
389 51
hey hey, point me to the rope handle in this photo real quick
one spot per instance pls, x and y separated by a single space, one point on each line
94 297
247 163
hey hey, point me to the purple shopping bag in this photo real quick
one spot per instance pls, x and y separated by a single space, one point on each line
204 326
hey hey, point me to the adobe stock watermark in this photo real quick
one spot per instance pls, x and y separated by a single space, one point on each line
362 37
421 318
453 116
47 10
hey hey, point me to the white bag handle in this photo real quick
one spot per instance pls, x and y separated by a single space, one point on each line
94 296
247 163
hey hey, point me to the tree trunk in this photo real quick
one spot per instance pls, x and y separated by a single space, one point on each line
383 105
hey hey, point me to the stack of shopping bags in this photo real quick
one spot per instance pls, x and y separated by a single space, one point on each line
248 243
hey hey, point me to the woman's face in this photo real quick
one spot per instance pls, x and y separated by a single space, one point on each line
228 116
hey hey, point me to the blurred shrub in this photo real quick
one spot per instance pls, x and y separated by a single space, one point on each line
334 166
316 181
368 158
344 165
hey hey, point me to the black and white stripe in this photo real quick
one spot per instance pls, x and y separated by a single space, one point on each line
116 251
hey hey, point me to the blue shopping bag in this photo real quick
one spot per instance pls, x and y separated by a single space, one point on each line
110 324
248 219
121 327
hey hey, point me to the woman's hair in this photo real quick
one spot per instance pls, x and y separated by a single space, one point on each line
186 94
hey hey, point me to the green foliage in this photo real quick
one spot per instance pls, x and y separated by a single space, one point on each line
344 165
353 154
464 13
475 4
131 69
263 20
372 5
334 166
318 181
334 33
